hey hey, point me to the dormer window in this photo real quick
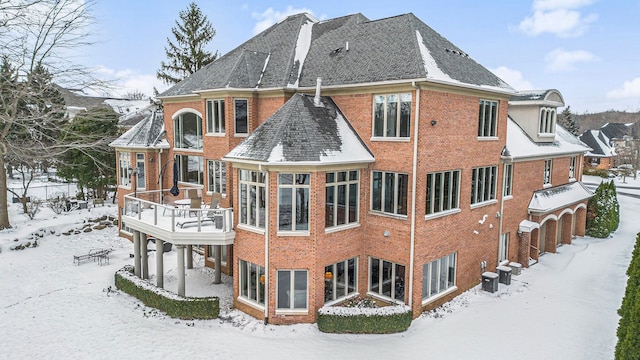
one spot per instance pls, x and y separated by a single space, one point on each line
547 123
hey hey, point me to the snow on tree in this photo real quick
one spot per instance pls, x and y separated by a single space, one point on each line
186 54
567 121
603 211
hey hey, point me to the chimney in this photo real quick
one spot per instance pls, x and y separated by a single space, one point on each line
316 99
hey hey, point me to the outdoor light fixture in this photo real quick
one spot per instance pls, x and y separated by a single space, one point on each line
386 233
434 122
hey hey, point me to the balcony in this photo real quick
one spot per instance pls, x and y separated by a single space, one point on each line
150 212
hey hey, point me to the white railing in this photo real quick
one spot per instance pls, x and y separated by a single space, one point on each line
146 206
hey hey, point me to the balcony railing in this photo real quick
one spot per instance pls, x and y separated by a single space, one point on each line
176 216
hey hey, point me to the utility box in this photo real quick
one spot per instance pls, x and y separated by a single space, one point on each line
490 281
504 274
516 268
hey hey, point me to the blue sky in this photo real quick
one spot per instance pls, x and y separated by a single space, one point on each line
587 49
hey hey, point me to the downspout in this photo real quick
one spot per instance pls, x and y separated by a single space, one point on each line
504 183
266 248
413 193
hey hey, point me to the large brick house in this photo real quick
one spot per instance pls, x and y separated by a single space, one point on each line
350 156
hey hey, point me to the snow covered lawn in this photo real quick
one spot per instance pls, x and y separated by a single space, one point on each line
50 308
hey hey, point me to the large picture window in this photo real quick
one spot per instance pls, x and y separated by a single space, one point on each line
215 116
124 164
483 184
340 279
217 176
342 194
190 169
252 198
241 116
487 118
252 282
389 192
392 115
293 202
292 290
188 131
387 279
442 191
438 276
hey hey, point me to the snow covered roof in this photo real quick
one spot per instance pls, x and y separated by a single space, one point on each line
521 146
146 134
550 97
301 133
553 198
345 50
599 144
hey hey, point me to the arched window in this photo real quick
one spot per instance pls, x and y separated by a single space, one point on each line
188 131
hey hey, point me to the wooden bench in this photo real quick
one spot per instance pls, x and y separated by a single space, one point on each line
98 201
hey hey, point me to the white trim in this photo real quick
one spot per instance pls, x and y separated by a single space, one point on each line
439 295
391 139
251 303
488 138
250 228
442 214
484 203
185 110
338 228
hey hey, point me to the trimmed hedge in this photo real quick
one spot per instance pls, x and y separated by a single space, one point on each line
364 321
628 346
176 306
603 211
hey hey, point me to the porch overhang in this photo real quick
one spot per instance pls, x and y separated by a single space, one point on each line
558 197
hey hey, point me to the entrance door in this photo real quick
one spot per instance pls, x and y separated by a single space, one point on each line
543 238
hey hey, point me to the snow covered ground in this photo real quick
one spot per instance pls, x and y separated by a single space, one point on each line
50 308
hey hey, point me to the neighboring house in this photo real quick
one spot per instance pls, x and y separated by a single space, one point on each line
602 154
612 145
350 157
76 103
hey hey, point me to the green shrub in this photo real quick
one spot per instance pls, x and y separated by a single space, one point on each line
603 211
603 173
174 305
628 346
344 320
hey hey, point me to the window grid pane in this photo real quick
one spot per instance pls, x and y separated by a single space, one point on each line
392 115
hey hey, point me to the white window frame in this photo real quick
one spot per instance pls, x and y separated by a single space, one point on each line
141 180
487 128
216 119
479 178
244 283
547 121
292 309
295 186
333 282
393 280
503 248
235 117
387 131
247 180
224 255
397 210
178 126
429 280
546 176
350 177
507 188
124 164
447 202
181 159
217 176
572 168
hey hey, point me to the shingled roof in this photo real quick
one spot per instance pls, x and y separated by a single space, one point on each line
147 133
599 144
347 50
301 132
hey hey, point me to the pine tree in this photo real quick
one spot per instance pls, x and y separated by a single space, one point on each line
628 346
567 121
186 55
603 211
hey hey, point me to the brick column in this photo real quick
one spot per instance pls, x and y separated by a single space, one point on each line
523 250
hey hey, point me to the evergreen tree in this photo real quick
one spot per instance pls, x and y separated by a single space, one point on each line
567 121
603 211
186 55
628 346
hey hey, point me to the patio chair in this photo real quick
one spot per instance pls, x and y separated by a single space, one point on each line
196 204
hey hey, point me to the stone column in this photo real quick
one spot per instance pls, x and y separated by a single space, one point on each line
189 256
180 249
136 252
144 254
217 277
159 264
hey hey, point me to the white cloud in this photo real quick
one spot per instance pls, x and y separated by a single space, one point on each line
127 80
558 17
512 77
270 17
630 89
560 60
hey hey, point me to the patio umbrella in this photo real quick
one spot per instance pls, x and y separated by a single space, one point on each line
174 190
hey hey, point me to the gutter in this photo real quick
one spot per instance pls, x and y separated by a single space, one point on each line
413 194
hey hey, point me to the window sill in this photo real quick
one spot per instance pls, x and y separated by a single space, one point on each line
250 303
212 134
293 233
240 135
572 179
292 311
484 203
503 262
439 295
390 139
125 187
340 300
341 228
389 215
179 150
488 138
507 197
384 298
546 135
250 228
442 213
544 186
